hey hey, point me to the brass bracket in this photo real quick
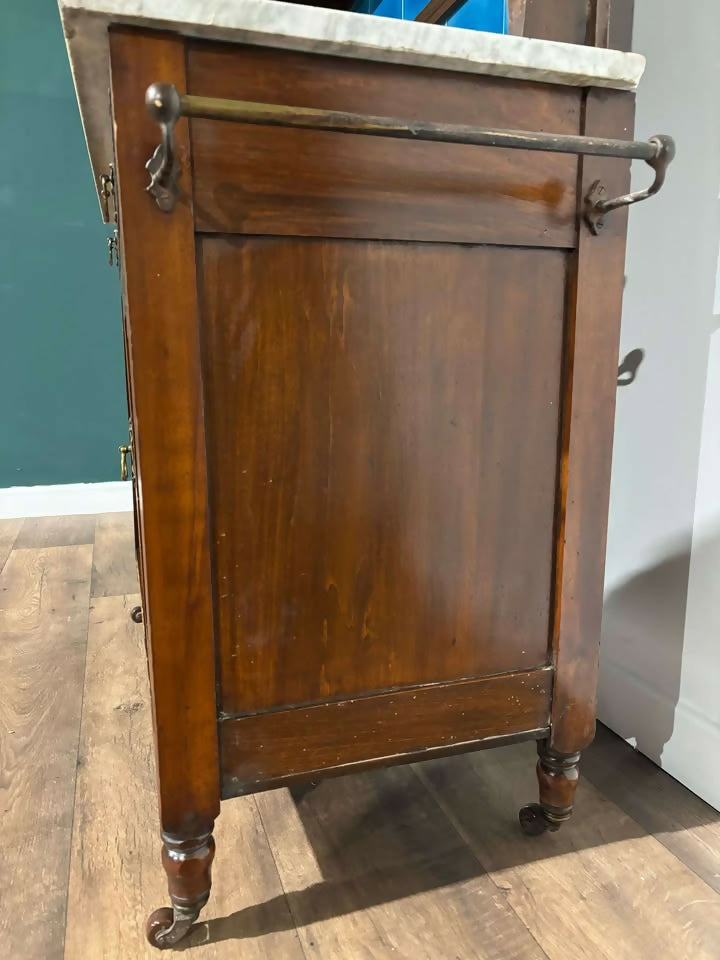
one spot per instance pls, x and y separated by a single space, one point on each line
597 203
163 104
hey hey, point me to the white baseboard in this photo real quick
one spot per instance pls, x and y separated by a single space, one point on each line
65 499
675 735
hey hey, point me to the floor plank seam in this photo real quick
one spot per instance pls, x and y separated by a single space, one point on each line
77 761
280 880
457 827
12 547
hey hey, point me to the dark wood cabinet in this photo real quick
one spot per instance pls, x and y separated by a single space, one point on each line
372 394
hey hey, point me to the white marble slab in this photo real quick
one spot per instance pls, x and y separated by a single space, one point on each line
271 23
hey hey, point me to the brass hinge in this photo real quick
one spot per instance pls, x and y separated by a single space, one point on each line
107 195
125 450
113 249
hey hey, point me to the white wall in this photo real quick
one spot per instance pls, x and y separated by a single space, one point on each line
660 661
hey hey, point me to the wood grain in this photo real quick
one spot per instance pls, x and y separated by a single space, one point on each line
362 488
353 473
373 870
115 569
367 869
44 594
389 727
263 180
56 531
600 889
563 20
9 530
621 24
595 22
598 28
665 808
115 872
169 438
593 337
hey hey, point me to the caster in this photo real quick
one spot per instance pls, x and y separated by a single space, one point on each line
534 821
137 617
165 927
187 862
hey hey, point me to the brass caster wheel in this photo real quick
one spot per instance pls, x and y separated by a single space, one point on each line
534 820
164 928
137 617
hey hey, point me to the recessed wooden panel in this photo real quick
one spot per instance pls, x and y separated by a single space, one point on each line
389 728
250 179
382 438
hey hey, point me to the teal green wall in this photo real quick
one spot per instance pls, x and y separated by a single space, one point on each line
62 387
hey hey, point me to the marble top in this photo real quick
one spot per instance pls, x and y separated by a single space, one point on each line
272 23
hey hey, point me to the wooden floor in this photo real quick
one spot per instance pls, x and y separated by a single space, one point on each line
422 862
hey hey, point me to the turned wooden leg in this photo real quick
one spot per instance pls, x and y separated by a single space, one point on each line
187 863
558 778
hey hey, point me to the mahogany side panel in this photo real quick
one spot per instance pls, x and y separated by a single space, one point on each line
586 453
265 180
393 727
158 259
382 442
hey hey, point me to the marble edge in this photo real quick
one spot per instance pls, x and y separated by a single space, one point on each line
317 30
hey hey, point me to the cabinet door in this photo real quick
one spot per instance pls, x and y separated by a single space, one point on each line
382 431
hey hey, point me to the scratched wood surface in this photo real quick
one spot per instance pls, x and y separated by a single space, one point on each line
258 180
361 489
423 862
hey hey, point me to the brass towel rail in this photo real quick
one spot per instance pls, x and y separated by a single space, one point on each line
167 106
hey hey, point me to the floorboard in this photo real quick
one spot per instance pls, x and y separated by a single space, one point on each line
44 595
680 820
56 532
9 530
409 863
116 878
114 567
601 888
374 869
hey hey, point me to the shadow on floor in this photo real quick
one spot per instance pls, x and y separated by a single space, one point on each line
391 834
